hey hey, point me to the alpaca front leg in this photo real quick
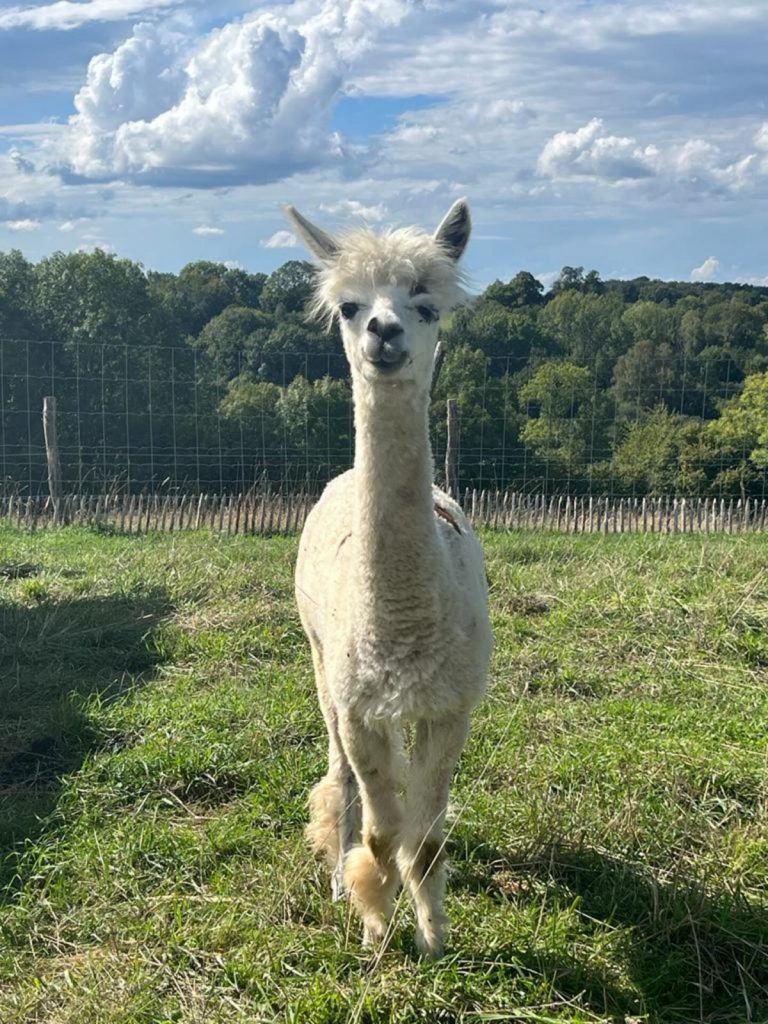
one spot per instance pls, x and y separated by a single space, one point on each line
421 857
370 869
348 832
334 803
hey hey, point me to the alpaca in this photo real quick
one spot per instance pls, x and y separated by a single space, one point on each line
390 583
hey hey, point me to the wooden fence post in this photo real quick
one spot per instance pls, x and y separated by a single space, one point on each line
52 455
452 448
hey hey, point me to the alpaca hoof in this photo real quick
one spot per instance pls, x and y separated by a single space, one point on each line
374 930
338 890
430 943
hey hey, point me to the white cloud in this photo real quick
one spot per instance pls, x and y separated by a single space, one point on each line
20 162
33 130
249 102
588 153
354 208
27 224
93 246
207 229
68 225
281 240
707 270
65 15
548 278
604 97
233 265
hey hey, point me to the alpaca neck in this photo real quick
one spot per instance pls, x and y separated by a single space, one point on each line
394 526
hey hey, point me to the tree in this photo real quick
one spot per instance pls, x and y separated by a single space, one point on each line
463 377
661 454
499 332
230 338
522 290
741 435
288 289
587 329
560 412
574 279
202 291
317 419
17 291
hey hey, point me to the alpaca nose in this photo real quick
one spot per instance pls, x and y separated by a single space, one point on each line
383 341
386 331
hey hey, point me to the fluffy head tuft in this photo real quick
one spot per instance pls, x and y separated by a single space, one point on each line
402 256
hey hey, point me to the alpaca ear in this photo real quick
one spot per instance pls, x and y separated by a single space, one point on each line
454 229
316 240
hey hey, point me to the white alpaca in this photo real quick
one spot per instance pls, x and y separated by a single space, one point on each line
390 583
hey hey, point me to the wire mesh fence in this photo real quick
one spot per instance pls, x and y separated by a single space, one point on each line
167 420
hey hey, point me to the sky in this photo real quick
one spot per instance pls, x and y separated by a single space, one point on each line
630 137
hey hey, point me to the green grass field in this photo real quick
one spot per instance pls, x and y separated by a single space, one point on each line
159 736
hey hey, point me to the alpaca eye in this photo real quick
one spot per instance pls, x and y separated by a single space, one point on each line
349 310
427 314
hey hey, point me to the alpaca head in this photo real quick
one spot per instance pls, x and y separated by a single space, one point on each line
388 291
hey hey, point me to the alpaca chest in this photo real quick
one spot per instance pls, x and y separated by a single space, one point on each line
415 672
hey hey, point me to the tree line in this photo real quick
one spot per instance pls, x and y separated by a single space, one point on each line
213 378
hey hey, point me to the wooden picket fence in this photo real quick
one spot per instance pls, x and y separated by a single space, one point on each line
267 513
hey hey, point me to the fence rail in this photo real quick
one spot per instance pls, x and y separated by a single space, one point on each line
274 513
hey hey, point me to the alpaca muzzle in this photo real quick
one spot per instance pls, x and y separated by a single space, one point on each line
383 344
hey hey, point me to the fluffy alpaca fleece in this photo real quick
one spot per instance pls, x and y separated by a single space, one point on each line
391 592
402 256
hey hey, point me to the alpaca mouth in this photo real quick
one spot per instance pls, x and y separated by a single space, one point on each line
383 366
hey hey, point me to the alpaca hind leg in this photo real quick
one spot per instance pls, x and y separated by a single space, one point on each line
370 869
421 857
334 803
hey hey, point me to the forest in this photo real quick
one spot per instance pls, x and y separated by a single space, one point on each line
214 379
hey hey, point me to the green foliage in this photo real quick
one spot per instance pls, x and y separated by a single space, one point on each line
231 339
156 378
559 402
201 291
574 279
741 432
17 290
661 454
287 289
522 290
94 299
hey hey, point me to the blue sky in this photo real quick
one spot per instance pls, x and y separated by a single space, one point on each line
631 137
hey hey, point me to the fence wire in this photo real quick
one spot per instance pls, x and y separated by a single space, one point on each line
167 419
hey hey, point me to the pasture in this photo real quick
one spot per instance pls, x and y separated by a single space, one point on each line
159 735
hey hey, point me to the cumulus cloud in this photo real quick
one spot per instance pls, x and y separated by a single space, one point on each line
27 224
20 162
707 270
281 240
248 103
66 15
207 229
353 208
589 153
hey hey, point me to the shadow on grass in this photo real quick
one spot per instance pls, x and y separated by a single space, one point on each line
688 953
53 658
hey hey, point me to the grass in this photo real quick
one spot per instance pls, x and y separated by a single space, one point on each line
159 735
